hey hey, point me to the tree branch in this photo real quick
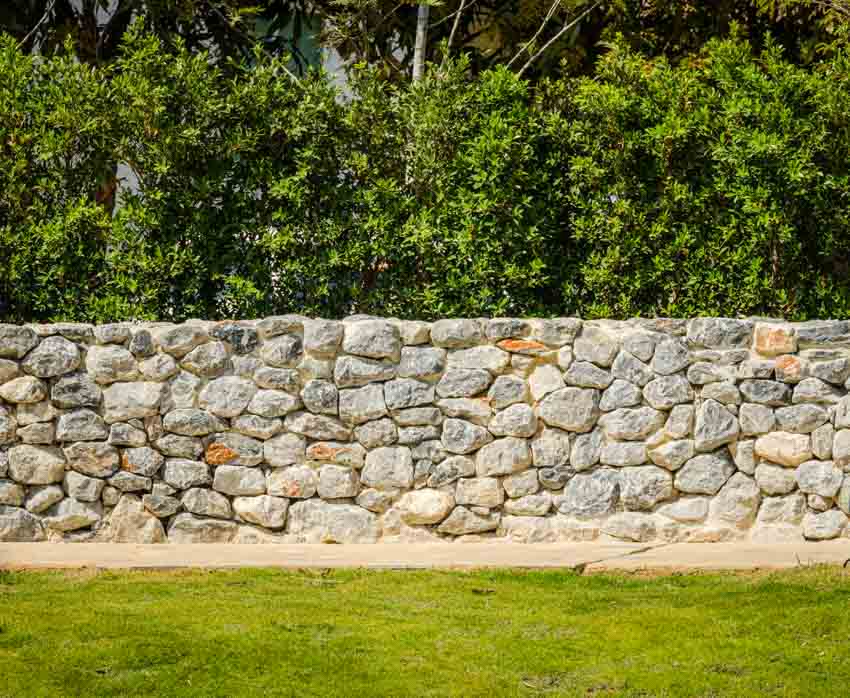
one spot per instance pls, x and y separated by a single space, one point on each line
537 33
455 25
557 36
38 24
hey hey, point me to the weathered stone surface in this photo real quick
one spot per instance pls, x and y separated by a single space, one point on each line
822 478
672 455
766 392
36 465
320 397
784 448
705 473
124 401
643 488
671 356
337 482
182 473
54 356
284 449
620 394
830 524
16 341
179 446
11 493
70 515
423 363
187 528
630 526
509 390
229 396
419 416
664 392
756 419
688 510
323 337
18 525
316 426
724 392
388 467
719 333
353 371
517 420
715 426
426 506
801 419
81 425
571 409
551 447
815 390
463 521
587 375
41 498
381 432
8 370
284 351
475 410
295 482
192 422
267 511
590 495
25 389
315 521
463 382
109 364
92 458
775 479
737 502
204 502
457 333
404 393
531 505
461 437
486 357
631 424
587 449
503 457
772 339
375 339
623 453
124 481
42 433
262 428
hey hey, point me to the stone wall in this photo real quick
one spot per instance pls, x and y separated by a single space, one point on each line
364 430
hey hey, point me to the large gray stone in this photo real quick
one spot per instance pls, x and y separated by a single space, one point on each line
822 478
320 397
187 528
672 454
517 420
204 502
182 473
457 333
92 458
285 449
737 502
830 524
317 521
705 473
665 392
322 337
109 364
25 389
209 360
18 525
815 390
775 479
550 447
720 333
403 393
765 392
628 367
75 390
756 419
351 455
784 448
71 515
623 453
317 426
715 426
632 424
388 467
571 409
449 470
265 510
479 492
464 521
503 457
643 488
463 382
257 427
424 363
590 495
619 394
284 351
192 422
587 375
426 506
229 396
338 482
461 437
54 356
16 341
36 465
381 432
374 339
671 356
124 401
801 419
352 371
81 425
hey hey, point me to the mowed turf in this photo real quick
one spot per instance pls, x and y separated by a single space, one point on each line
396 633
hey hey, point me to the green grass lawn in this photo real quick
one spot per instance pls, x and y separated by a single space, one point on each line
352 633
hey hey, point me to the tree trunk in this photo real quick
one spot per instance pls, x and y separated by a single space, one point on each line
421 42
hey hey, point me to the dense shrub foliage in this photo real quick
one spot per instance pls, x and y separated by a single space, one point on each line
718 185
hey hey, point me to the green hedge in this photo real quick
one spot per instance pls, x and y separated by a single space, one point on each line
718 186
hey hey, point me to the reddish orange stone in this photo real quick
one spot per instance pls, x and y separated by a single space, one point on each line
522 346
789 368
219 454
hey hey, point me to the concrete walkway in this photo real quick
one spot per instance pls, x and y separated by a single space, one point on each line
587 557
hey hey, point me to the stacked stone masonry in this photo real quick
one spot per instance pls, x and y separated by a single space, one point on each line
291 429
